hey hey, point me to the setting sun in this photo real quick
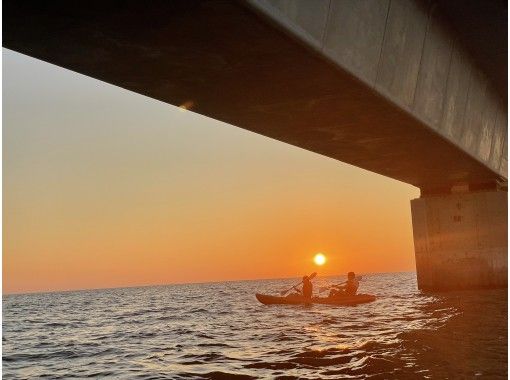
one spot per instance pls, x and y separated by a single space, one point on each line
319 259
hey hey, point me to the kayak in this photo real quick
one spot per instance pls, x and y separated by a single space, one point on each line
299 300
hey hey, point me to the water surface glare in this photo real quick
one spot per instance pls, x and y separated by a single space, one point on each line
220 331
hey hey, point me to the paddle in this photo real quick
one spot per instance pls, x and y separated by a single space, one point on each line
288 290
323 288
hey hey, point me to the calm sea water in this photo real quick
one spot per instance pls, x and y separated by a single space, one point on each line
220 331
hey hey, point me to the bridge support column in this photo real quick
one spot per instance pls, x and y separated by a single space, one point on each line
460 240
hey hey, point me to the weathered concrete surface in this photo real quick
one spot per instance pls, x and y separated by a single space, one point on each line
407 51
388 88
461 240
482 28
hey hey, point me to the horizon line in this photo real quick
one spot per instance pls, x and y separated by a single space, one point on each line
178 283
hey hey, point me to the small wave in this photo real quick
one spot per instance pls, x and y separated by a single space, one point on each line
199 310
101 374
213 345
107 351
272 366
61 354
55 324
371 345
328 321
203 336
205 358
322 362
284 338
142 334
215 375
181 331
166 318
319 353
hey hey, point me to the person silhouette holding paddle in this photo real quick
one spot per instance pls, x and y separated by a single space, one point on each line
307 290
348 288
307 287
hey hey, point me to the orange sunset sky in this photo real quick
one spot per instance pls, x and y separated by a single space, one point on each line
105 188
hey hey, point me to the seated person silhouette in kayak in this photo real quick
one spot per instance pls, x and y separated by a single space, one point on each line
307 287
348 288
307 290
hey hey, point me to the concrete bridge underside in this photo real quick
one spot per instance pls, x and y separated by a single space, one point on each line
384 85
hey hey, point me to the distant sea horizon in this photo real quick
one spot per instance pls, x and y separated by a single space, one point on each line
195 283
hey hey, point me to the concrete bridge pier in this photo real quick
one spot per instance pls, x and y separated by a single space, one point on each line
460 238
